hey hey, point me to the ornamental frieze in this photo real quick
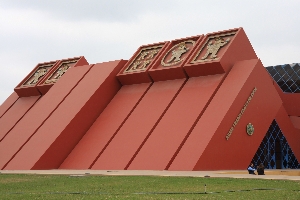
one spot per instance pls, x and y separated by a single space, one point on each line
40 72
143 59
176 54
211 48
60 71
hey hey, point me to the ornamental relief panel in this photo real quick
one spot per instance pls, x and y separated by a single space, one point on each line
38 75
60 71
211 49
143 59
177 53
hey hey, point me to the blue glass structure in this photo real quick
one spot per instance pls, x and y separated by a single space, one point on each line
274 151
287 77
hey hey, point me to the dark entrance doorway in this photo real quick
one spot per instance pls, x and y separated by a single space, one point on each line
278 154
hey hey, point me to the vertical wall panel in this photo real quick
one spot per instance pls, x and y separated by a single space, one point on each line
38 114
70 121
15 113
8 103
207 147
105 127
139 125
177 123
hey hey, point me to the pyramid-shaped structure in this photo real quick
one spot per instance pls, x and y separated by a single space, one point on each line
198 103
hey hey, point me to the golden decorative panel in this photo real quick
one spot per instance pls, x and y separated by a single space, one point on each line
175 54
60 71
240 114
143 59
250 129
38 74
211 47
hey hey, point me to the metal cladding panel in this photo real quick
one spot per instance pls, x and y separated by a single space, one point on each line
70 121
220 139
15 114
177 123
105 127
5 106
137 128
291 133
37 115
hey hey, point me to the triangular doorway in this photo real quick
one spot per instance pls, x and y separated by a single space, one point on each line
274 151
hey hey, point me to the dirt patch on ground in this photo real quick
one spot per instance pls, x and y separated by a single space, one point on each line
283 172
268 172
13 180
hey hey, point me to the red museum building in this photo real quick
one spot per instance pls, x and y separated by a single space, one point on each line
198 103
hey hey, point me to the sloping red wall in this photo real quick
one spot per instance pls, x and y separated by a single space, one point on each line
101 132
13 115
177 123
207 147
67 124
139 125
295 121
289 101
38 114
9 102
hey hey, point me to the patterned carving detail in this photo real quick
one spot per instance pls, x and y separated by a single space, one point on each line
213 48
177 52
213 45
143 59
135 65
143 54
153 53
37 75
59 72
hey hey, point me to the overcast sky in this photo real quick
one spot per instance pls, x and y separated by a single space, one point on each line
35 31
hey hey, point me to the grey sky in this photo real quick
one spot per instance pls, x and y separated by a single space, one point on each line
35 31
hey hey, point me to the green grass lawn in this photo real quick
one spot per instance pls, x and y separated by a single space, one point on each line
13 186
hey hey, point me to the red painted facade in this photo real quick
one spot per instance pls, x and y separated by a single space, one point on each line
178 105
92 145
